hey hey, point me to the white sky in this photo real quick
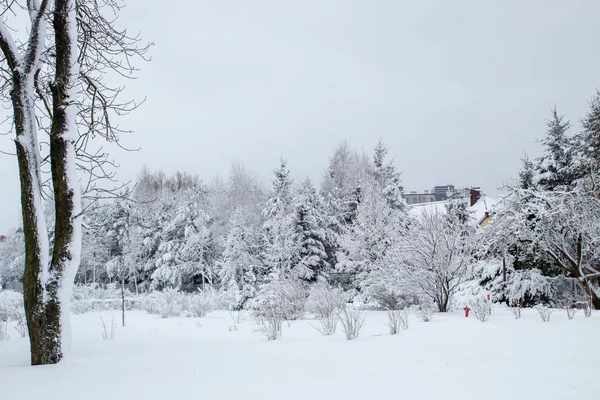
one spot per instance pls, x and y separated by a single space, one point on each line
457 89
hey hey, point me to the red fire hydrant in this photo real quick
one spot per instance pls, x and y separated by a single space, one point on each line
467 309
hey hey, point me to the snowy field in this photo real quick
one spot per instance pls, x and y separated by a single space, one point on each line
449 358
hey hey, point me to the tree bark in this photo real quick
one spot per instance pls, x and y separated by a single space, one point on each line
63 134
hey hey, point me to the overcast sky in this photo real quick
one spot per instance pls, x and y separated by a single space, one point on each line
457 89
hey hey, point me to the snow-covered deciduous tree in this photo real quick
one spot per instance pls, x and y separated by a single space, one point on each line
436 254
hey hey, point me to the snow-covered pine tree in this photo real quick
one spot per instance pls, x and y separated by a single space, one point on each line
310 226
280 251
117 227
280 197
555 168
590 137
526 173
366 243
387 178
184 256
239 263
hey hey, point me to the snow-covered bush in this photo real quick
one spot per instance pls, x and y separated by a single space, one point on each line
325 302
482 310
544 312
389 298
571 309
202 303
11 306
236 317
398 320
516 310
21 327
108 331
426 310
269 323
286 298
352 321
269 314
90 298
166 303
11 309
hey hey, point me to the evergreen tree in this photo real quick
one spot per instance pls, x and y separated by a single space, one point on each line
555 168
185 255
526 174
310 234
280 197
366 244
280 253
387 179
239 263
590 137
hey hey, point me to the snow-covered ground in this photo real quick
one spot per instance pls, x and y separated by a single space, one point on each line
449 358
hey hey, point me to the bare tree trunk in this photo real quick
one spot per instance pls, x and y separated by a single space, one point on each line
40 309
67 199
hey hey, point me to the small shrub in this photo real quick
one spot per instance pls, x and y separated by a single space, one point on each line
293 296
200 304
352 321
397 320
390 299
11 306
270 320
544 312
166 303
482 310
277 301
108 332
21 327
571 309
11 309
236 316
426 311
325 302
516 310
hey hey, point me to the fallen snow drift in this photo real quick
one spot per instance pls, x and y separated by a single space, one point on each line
451 357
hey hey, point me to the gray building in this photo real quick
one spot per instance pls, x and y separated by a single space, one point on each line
438 193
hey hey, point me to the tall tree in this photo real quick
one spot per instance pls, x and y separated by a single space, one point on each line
311 234
590 137
63 79
555 168
280 252
386 177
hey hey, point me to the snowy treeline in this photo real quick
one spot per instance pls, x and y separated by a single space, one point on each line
354 231
260 245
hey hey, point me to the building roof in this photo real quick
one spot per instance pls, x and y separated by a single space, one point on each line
481 209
